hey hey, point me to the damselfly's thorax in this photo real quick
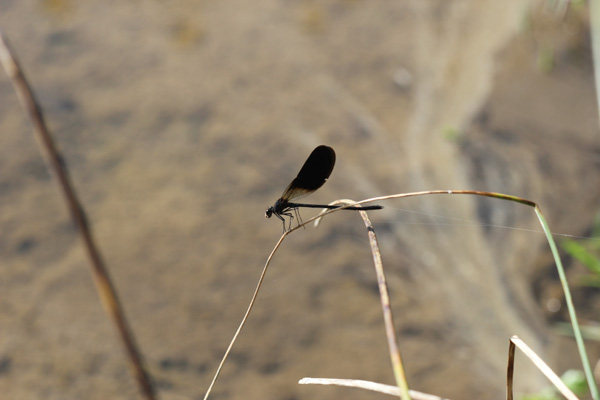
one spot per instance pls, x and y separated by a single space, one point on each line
280 207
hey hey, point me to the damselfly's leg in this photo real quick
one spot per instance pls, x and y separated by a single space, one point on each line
288 214
299 217
281 218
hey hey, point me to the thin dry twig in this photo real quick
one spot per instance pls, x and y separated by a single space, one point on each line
58 169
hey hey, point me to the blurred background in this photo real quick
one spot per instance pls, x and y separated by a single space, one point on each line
181 122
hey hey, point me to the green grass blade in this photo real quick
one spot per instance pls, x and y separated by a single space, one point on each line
569 301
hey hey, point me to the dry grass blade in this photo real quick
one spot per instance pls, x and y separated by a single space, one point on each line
540 364
390 330
58 169
367 385
245 318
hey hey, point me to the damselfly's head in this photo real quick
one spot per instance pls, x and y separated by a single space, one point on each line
269 212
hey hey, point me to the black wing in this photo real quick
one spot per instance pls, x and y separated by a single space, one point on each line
314 173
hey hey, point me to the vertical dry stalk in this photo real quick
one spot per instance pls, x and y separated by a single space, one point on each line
510 369
390 329
58 169
388 319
